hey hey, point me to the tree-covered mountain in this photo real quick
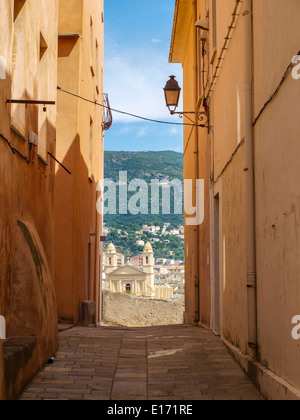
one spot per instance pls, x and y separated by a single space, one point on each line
145 166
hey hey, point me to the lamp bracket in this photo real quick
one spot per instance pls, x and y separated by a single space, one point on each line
203 117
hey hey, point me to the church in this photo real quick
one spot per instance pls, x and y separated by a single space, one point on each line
129 279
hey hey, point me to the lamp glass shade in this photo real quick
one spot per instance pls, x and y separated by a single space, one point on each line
172 93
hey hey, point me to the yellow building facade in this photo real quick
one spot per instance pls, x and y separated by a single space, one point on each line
28 79
238 61
79 146
51 159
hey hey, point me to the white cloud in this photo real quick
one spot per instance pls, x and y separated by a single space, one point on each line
134 81
142 132
156 41
174 131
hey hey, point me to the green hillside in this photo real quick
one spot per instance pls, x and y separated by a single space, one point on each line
145 166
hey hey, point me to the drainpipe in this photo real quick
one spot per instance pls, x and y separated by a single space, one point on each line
2 383
197 239
2 338
196 163
249 177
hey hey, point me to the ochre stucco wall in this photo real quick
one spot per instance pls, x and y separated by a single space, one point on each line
277 168
78 225
196 146
276 164
27 184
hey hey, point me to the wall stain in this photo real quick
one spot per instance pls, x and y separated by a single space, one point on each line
37 258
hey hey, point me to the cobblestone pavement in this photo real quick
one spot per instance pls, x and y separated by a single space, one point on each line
156 363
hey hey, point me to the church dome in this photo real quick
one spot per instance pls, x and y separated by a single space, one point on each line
111 248
148 247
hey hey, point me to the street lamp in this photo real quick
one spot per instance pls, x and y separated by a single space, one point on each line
172 94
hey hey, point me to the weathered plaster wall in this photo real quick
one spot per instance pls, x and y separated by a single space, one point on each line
233 248
80 148
277 169
192 161
33 299
275 367
27 181
130 311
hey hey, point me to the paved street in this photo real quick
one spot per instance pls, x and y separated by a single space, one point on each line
157 363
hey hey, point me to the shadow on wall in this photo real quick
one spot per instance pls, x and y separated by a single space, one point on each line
77 246
27 298
32 327
33 305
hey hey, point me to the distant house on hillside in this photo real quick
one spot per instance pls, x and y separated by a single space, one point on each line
176 269
175 278
136 261
161 270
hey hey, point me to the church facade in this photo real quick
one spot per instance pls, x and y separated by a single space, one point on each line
130 279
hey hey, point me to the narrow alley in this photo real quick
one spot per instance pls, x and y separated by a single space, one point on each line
155 363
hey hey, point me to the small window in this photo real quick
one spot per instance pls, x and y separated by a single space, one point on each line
18 5
18 79
2 328
91 149
213 31
92 47
147 260
2 68
128 288
43 46
97 67
214 23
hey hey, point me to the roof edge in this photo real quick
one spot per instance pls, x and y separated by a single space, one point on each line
175 19
183 15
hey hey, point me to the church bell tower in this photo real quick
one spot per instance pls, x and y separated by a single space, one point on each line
148 267
111 259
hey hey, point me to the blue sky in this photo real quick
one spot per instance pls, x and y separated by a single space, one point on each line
137 43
